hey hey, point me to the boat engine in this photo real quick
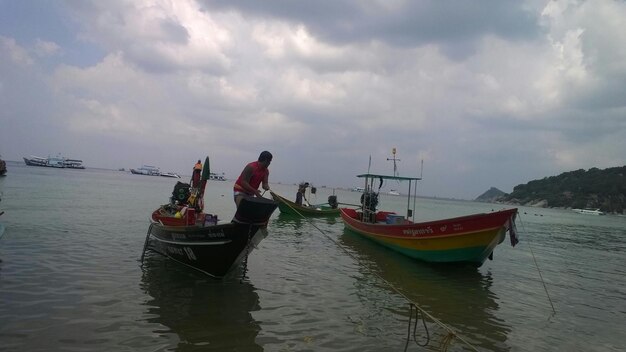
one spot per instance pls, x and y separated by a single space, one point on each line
181 193
332 201
369 200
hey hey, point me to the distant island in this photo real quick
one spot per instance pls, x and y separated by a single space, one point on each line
580 189
491 195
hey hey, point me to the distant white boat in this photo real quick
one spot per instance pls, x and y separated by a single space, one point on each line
146 170
217 177
170 174
393 192
73 163
358 189
589 211
57 161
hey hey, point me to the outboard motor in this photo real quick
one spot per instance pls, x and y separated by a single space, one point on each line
181 193
369 200
332 201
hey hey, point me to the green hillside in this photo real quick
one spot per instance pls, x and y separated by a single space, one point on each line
594 188
490 195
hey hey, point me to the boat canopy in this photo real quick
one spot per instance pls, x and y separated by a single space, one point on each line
371 177
387 177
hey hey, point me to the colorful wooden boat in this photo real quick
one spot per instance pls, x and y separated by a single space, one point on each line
183 232
288 207
212 248
470 239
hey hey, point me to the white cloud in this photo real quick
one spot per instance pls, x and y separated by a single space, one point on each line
45 48
15 52
524 102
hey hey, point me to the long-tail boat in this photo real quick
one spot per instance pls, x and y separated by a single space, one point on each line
184 232
288 207
470 238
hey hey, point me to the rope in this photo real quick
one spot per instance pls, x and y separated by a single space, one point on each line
145 244
411 302
545 288
408 333
445 342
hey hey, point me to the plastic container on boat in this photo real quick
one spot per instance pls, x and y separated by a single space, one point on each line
395 219
191 216
210 220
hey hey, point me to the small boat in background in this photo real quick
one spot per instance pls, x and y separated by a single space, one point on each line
170 174
3 167
37 161
73 163
217 177
56 161
288 207
589 211
146 170
393 192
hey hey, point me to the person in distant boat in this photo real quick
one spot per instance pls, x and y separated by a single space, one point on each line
195 178
254 174
300 194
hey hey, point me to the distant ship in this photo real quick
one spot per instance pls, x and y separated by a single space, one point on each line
393 192
146 170
170 174
589 211
217 177
57 161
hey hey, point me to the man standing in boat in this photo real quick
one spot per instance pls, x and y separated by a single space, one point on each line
254 174
300 194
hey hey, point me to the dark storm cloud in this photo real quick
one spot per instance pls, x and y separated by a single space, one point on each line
413 23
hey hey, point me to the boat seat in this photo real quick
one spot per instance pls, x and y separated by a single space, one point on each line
381 216
351 213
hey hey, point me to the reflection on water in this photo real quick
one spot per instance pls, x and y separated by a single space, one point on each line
459 296
204 313
290 221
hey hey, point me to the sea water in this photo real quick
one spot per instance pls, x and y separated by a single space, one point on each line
71 278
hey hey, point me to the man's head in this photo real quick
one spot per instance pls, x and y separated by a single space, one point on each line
265 158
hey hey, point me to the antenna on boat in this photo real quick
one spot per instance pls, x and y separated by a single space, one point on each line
395 166
415 189
369 165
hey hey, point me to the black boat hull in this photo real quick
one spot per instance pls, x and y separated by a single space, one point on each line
213 250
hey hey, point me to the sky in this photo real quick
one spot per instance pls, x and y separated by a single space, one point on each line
472 94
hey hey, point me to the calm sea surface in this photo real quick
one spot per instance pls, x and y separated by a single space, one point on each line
71 279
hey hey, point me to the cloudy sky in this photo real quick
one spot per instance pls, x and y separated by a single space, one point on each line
486 93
